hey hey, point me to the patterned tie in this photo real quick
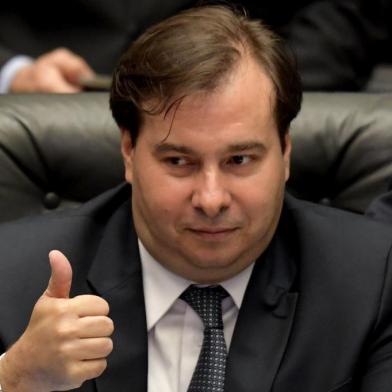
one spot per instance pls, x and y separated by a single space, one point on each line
209 374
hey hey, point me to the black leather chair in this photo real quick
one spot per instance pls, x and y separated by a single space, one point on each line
57 151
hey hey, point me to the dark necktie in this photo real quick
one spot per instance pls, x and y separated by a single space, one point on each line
209 374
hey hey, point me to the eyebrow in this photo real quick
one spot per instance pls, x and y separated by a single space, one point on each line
170 147
233 148
239 147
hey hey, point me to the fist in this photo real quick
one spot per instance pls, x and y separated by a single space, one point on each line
66 341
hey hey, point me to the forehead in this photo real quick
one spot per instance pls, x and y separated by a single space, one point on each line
243 103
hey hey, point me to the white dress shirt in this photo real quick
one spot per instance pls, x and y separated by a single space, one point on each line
175 331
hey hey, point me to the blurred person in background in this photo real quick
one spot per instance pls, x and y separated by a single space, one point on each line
337 42
57 46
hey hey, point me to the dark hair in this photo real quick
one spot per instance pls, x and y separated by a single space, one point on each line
192 52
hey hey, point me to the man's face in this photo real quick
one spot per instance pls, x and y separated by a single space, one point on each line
208 180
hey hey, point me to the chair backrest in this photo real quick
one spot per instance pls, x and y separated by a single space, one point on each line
342 152
57 151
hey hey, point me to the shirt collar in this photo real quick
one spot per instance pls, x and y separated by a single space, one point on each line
162 287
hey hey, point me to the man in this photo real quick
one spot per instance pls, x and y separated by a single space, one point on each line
205 275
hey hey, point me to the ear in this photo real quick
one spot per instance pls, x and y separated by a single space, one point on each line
287 155
127 154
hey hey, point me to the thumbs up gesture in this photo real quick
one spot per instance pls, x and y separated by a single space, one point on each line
66 341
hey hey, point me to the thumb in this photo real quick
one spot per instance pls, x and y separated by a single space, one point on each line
60 280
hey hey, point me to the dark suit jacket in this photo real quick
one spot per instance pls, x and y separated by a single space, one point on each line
316 316
381 207
337 42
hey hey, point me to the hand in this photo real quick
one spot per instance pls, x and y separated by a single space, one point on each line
58 71
66 341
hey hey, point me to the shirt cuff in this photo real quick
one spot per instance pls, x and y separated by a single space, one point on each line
10 68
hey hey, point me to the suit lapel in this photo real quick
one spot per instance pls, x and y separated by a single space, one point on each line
116 276
265 319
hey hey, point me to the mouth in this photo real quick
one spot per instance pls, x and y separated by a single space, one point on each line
213 234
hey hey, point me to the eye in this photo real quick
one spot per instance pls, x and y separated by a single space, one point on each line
177 161
239 159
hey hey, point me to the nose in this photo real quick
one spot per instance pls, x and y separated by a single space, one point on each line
210 195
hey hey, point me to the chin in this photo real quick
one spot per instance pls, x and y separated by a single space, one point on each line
214 265
214 260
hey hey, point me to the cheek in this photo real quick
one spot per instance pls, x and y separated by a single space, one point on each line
262 197
260 211
160 199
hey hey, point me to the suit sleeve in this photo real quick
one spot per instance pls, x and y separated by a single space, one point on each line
377 369
381 208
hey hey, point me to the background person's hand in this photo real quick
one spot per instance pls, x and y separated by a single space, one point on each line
58 71
66 342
